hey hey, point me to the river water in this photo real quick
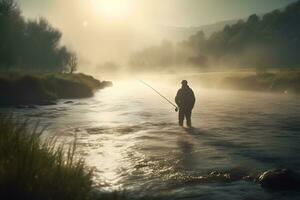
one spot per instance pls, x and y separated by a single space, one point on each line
130 136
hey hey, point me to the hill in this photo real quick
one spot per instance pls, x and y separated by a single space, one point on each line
270 41
181 33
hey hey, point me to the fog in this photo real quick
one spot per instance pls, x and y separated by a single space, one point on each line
101 31
113 74
105 34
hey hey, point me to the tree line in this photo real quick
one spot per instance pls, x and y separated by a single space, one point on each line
271 40
31 45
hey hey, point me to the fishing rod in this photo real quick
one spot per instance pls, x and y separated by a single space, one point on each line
170 102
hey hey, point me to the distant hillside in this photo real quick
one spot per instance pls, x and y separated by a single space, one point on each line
271 41
181 33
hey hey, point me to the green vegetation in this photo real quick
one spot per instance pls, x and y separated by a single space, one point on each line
33 63
272 40
287 81
31 44
282 82
34 169
41 89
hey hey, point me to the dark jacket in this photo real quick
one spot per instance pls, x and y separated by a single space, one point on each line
185 98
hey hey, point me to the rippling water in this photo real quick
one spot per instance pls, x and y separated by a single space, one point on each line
131 138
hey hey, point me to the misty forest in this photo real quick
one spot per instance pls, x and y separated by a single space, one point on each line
140 99
269 41
18 34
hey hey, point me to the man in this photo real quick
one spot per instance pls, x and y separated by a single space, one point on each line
185 100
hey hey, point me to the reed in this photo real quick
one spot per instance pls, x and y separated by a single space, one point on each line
32 168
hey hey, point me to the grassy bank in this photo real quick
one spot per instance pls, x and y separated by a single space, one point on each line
273 81
282 82
41 89
32 169
35 169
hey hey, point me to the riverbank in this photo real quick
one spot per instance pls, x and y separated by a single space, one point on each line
285 82
279 82
44 89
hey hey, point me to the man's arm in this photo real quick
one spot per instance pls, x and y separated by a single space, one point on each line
193 99
177 98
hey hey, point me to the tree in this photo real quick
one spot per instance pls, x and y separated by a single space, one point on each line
273 40
41 50
253 20
11 27
31 44
73 63
9 7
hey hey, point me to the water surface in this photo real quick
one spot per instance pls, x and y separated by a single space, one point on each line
130 136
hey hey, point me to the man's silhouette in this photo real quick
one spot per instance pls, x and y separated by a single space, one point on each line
185 99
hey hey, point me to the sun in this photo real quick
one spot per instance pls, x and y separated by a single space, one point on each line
111 8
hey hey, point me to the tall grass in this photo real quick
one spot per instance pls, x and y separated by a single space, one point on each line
31 168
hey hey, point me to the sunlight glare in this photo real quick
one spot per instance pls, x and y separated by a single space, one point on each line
111 9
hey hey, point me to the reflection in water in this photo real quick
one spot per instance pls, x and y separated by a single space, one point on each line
131 138
186 156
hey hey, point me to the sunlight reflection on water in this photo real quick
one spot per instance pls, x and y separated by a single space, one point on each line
130 136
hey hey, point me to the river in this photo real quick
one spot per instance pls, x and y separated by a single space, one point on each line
130 137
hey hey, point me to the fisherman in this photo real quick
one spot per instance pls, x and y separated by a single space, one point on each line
185 100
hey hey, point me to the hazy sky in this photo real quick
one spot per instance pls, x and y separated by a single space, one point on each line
174 12
105 30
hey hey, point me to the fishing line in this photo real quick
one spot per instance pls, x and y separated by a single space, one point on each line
170 102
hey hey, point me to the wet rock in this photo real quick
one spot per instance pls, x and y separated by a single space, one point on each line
249 178
279 179
217 177
229 176
68 102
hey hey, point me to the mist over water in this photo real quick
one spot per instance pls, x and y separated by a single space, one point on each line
127 134
130 136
